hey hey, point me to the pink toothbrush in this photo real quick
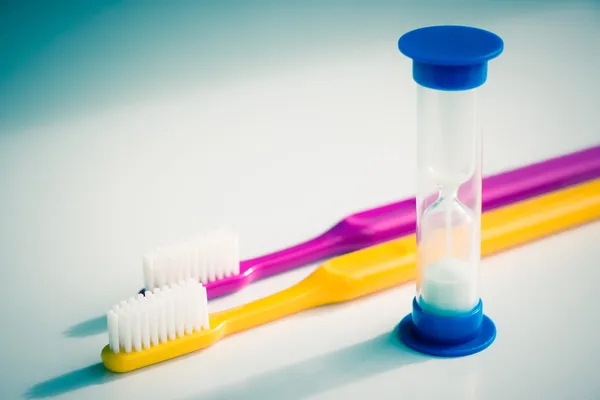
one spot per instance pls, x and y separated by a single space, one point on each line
213 259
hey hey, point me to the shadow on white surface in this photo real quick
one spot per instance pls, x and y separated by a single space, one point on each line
95 374
89 327
316 375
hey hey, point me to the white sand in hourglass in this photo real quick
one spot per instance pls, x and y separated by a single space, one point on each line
449 286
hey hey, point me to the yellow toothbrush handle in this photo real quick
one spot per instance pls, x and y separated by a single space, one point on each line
512 226
303 295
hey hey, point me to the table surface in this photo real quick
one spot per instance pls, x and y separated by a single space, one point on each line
123 127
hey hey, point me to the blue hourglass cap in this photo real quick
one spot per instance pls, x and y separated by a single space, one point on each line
450 57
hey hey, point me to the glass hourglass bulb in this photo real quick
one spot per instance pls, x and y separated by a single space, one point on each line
448 253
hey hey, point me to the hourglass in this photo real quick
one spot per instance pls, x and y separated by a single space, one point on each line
449 66
449 201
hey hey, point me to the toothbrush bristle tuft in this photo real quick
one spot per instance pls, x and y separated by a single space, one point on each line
206 258
161 315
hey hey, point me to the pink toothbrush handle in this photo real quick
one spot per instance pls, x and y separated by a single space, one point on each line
394 220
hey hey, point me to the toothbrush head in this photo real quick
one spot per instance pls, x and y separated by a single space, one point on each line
206 258
155 324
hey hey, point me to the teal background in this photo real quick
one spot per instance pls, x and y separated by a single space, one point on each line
60 57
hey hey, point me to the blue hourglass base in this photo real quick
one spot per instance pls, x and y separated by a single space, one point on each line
444 336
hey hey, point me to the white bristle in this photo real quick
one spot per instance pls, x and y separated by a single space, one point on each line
189 313
203 310
170 309
176 264
145 321
202 261
234 261
113 330
179 306
149 276
205 259
162 321
215 255
186 261
136 329
126 319
168 267
153 317
158 316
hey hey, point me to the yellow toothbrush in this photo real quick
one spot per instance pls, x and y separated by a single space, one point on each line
172 321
